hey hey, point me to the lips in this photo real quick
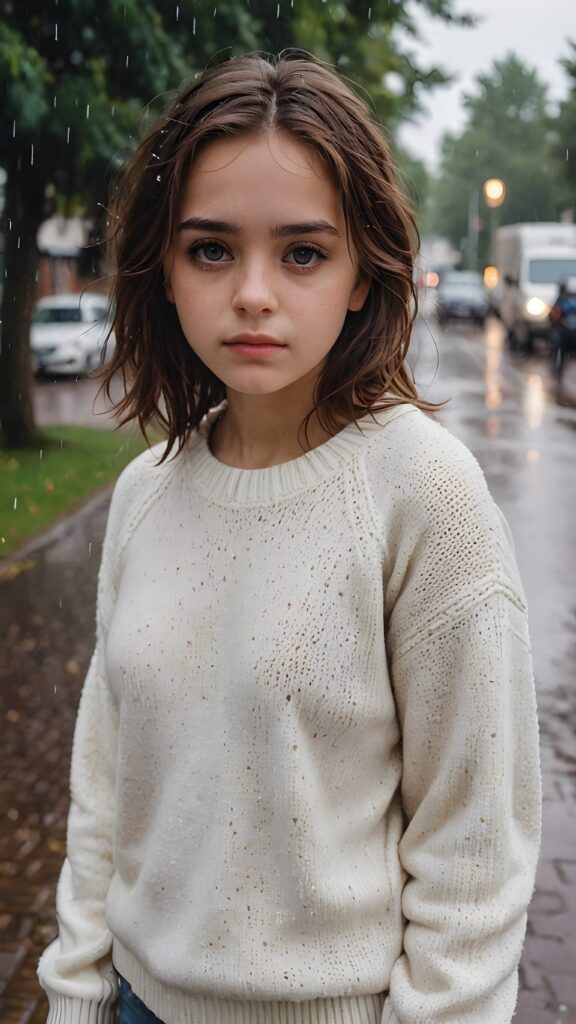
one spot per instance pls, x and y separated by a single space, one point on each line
254 339
254 346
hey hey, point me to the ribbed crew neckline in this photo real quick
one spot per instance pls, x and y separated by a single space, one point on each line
226 483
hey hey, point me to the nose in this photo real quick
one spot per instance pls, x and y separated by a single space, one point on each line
255 292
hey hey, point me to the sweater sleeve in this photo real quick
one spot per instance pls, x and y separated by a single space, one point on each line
76 969
461 671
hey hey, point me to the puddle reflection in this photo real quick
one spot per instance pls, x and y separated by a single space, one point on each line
494 344
533 403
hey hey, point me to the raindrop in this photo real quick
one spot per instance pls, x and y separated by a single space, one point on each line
54 103
56 32
214 14
90 549
369 13
18 242
193 26
15 503
31 154
127 61
177 13
155 155
67 136
55 687
9 225
41 453
13 129
567 151
158 177
60 603
87 111
277 10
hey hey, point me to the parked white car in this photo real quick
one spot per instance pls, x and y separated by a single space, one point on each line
68 332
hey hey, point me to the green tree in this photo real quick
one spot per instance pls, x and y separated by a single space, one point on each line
507 136
76 74
564 131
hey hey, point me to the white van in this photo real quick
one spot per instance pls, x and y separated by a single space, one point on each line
533 260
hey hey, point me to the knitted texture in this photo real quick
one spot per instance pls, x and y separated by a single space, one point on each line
305 769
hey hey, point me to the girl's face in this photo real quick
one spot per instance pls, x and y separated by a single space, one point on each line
261 270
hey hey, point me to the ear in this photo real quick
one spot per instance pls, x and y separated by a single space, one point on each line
359 295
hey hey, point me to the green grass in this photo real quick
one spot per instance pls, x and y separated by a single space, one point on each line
38 486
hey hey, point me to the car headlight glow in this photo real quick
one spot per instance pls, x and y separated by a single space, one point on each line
536 307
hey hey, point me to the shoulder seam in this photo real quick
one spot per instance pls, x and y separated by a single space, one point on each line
453 612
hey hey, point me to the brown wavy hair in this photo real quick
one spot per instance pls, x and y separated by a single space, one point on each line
164 380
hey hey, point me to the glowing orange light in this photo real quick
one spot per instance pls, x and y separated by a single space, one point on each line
491 277
494 191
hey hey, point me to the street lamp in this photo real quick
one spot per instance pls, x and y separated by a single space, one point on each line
494 192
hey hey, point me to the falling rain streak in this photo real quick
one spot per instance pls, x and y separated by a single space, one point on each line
177 13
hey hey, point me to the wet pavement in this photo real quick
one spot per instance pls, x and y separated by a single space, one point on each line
504 408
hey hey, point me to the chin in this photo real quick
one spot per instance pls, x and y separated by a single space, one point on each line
257 386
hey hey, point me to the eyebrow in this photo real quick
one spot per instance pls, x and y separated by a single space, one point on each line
222 227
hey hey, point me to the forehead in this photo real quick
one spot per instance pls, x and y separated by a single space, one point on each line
262 174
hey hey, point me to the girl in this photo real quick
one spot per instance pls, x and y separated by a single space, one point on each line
305 779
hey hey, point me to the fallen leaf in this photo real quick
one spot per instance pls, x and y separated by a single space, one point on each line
10 572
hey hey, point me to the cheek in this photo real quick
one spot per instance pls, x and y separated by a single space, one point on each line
192 301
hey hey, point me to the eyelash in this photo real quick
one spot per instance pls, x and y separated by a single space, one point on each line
195 248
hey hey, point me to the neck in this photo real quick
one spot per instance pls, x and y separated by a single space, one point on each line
257 431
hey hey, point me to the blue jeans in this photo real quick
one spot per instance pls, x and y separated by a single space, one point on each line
132 1010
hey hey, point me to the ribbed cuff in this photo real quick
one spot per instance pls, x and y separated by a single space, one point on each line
65 1010
389 1013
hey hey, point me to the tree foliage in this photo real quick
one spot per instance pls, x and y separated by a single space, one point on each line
564 128
76 74
508 135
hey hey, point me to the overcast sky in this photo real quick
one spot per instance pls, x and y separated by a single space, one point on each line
534 29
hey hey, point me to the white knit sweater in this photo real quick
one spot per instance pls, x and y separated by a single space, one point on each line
305 783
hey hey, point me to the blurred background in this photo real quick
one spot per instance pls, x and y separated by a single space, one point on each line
478 100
